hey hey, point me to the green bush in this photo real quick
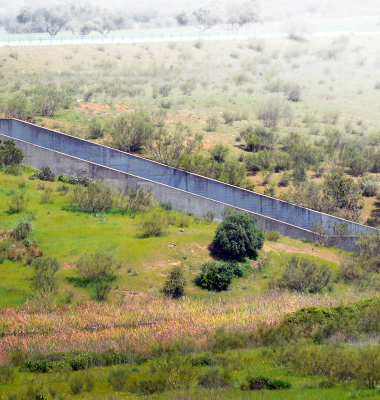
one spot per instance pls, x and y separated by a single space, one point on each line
96 197
117 378
273 236
212 123
132 131
304 276
76 384
63 178
238 236
175 283
183 220
48 99
18 203
95 129
23 228
47 196
208 217
10 154
6 375
148 384
154 223
44 283
44 174
215 276
215 378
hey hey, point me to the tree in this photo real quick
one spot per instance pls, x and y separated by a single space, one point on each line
202 18
240 14
167 149
9 153
238 236
132 131
175 283
50 20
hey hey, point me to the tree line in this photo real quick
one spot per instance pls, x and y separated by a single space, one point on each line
86 18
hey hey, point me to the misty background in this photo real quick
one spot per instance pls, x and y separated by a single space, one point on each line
148 14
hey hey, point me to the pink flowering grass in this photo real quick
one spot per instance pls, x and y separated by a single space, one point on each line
139 324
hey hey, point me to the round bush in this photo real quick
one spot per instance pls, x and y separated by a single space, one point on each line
238 236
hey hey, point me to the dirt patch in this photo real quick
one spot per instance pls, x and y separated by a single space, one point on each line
311 251
95 106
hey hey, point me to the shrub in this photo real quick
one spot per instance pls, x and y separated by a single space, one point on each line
18 203
229 117
212 123
261 383
18 107
89 381
215 378
10 154
219 152
63 178
44 284
269 112
214 276
48 99
175 283
284 179
23 228
299 173
304 276
370 188
6 375
238 236
183 220
44 174
135 199
96 197
148 384
97 266
47 196
208 217
95 129
167 206
117 378
131 132
76 384
294 91
273 236
154 223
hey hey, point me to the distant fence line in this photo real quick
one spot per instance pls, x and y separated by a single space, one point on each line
64 39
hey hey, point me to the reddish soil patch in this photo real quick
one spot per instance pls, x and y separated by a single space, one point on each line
95 106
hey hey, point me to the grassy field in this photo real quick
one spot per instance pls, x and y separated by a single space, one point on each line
138 319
